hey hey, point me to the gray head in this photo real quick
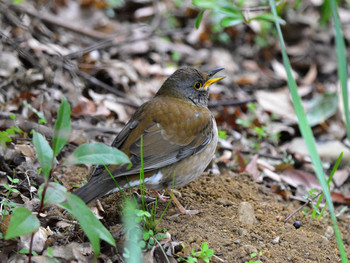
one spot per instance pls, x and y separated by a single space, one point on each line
189 84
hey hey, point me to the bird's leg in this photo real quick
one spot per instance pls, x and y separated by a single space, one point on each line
161 197
179 205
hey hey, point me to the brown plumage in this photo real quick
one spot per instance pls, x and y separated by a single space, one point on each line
179 138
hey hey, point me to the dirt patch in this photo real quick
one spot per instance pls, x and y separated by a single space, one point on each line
223 226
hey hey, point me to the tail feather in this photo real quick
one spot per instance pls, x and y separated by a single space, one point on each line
94 189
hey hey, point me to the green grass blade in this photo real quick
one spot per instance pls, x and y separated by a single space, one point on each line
342 64
307 135
335 167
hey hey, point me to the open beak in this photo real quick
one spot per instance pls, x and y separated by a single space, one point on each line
212 81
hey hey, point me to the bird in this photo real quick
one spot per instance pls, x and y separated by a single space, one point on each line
179 139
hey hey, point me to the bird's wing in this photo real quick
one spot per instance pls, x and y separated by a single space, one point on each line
170 132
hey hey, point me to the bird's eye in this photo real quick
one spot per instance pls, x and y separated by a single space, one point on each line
197 85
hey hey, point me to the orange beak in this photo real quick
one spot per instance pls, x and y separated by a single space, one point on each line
212 81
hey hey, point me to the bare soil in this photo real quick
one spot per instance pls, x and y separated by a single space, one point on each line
232 235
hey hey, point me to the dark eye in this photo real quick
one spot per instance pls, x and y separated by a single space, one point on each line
197 85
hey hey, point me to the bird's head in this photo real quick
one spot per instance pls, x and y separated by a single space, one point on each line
190 84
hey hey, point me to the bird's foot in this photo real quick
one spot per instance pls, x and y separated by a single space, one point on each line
161 197
189 212
182 210
148 199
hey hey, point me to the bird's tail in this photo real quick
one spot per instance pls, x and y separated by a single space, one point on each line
95 189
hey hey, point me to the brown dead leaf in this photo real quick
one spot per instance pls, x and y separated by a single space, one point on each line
26 150
85 107
296 177
340 198
252 167
5 223
280 190
241 161
88 108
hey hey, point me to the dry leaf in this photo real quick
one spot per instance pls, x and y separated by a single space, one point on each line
252 167
26 149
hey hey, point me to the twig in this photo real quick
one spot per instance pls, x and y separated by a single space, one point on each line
220 259
58 22
61 219
99 83
301 207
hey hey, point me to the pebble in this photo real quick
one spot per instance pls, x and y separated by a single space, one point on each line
276 240
242 232
246 213
329 232
224 202
246 250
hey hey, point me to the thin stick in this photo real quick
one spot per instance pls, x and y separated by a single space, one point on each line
301 207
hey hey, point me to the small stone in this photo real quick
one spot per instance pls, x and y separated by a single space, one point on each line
245 250
276 240
246 213
324 240
242 232
224 202
199 240
329 232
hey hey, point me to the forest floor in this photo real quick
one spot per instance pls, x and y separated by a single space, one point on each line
106 67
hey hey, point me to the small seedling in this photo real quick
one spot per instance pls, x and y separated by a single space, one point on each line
222 134
42 119
50 255
25 251
253 255
5 136
9 206
205 254
25 222
309 198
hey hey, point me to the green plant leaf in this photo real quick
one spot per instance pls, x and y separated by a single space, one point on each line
91 226
205 4
231 21
44 152
232 12
342 63
25 251
42 119
62 127
4 138
146 236
268 17
22 222
307 132
199 19
97 153
321 108
55 193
